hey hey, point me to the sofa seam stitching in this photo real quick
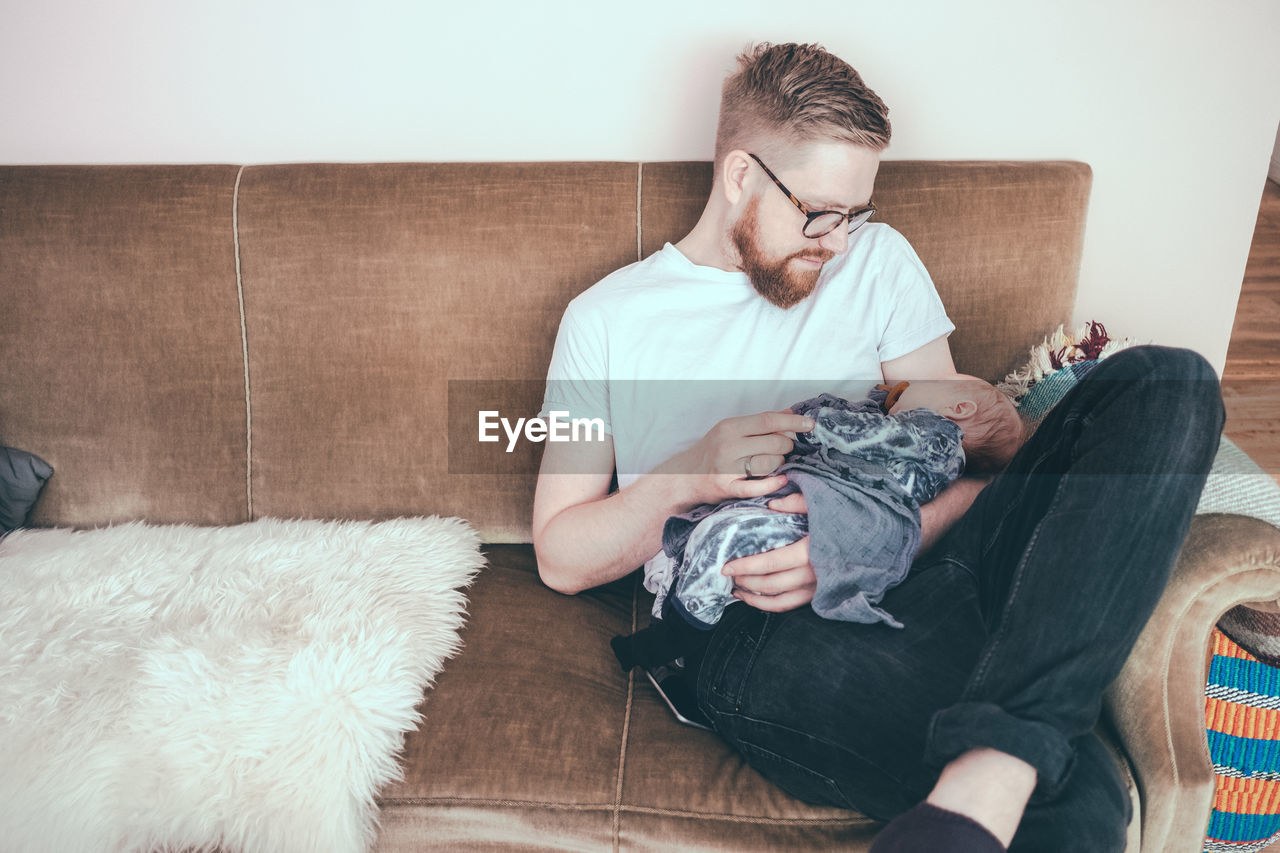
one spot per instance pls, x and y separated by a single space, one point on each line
244 349
646 810
639 197
626 731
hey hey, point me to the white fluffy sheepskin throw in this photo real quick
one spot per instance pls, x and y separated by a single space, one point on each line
242 687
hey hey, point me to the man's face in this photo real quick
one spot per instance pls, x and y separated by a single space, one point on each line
782 264
785 280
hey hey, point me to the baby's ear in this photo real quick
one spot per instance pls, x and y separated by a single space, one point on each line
962 409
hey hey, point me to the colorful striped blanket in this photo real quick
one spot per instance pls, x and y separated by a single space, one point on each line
1242 715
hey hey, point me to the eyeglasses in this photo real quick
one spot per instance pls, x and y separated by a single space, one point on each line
820 223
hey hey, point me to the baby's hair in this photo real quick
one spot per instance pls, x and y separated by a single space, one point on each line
994 433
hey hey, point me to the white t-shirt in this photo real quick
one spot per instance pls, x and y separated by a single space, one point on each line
663 349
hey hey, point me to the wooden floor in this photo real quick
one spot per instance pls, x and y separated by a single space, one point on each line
1251 378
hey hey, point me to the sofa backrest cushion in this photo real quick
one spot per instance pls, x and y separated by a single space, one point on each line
120 357
214 344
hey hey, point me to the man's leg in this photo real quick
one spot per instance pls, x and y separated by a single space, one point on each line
1072 547
1075 545
1091 813
1061 561
836 712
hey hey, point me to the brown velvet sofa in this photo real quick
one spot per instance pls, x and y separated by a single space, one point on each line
214 344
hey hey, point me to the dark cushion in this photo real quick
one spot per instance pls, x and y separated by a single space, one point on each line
22 476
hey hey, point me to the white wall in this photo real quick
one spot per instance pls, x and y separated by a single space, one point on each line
1174 103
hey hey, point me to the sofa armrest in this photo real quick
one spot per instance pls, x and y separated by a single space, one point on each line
1158 701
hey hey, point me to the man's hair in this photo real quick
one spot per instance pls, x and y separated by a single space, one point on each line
797 93
994 433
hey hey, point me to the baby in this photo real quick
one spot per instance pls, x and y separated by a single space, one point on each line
864 469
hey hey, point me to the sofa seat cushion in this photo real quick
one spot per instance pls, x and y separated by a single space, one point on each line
533 738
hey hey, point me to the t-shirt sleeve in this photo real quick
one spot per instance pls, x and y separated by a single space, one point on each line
916 315
576 377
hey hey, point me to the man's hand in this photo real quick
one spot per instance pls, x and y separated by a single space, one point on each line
777 580
727 460
936 517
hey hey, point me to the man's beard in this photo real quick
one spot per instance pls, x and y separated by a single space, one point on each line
777 281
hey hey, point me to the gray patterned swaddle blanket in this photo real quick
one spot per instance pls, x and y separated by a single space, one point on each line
863 474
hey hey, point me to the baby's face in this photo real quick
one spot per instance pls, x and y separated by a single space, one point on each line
940 395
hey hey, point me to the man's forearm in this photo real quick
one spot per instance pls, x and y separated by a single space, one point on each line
602 540
939 514
584 537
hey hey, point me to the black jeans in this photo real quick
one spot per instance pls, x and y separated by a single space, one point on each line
1015 622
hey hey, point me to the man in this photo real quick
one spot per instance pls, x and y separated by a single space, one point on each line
1016 617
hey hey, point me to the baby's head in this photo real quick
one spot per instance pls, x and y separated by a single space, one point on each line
989 423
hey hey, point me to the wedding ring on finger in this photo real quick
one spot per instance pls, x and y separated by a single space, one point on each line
746 466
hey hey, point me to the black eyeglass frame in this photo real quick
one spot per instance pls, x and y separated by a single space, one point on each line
863 215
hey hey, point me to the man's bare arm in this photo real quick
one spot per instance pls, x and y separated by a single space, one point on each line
584 536
931 361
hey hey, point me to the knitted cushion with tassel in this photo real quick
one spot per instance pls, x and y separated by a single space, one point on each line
1045 394
1055 366
1242 715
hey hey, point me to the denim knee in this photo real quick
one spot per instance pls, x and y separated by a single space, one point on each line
1158 362
1170 393
1204 391
1195 378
